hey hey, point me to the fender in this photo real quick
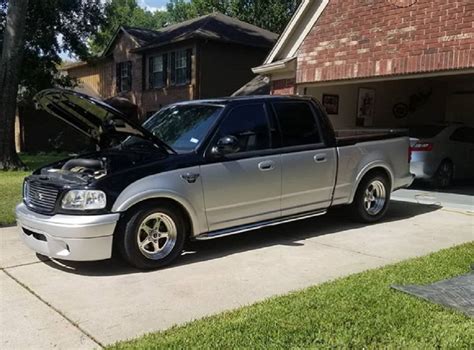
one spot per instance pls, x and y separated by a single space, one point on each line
168 185
365 170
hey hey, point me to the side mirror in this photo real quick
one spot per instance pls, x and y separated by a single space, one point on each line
226 145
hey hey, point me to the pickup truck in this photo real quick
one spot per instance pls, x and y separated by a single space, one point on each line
200 170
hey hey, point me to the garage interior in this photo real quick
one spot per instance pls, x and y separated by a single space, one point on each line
403 101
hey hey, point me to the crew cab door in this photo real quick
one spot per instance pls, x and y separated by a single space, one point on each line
242 186
308 162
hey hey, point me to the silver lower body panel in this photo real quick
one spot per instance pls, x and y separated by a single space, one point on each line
67 237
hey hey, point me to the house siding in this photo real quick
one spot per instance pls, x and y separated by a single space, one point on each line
357 39
226 67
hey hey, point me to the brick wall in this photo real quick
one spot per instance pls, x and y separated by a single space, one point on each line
365 38
283 87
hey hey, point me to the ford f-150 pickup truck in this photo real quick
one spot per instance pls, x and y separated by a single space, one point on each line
200 170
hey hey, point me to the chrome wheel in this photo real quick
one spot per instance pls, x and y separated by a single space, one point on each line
156 236
375 197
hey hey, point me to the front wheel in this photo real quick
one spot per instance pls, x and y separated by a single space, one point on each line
153 236
372 198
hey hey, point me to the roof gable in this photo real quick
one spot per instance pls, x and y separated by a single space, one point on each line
297 29
215 26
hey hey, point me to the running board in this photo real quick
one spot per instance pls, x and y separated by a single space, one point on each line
244 228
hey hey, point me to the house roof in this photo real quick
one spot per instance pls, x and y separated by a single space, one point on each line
296 31
260 85
215 26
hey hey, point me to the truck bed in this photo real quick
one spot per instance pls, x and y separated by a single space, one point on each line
347 137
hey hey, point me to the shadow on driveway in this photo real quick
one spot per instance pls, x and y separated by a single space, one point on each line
290 234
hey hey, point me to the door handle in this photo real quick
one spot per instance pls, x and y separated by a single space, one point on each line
266 165
320 158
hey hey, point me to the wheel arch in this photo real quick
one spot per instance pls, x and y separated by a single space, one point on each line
194 225
369 170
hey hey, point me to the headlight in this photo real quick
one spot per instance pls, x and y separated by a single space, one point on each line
84 200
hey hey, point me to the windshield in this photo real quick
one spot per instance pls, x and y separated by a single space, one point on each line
182 127
425 131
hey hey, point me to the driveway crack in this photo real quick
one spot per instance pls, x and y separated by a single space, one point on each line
353 251
73 323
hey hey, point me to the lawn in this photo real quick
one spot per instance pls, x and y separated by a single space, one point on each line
359 311
11 181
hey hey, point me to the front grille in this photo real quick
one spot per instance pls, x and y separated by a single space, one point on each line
40 197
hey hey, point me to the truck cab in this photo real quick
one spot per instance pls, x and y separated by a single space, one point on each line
200 170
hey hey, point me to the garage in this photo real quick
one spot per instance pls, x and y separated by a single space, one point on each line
384 64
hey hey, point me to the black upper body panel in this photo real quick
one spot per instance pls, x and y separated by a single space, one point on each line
127 165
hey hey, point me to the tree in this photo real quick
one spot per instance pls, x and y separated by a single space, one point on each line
51 27
125 12
12 54
272 15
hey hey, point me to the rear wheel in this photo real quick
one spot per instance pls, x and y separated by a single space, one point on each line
372 198
153 236
444 175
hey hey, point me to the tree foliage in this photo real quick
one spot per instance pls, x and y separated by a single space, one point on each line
125 13
52 27
272 15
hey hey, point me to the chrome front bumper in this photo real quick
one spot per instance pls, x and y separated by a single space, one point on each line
67 237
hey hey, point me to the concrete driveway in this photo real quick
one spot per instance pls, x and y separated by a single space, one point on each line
45 304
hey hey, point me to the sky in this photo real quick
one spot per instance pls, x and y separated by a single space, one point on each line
153 5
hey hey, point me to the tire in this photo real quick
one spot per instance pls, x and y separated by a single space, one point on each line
152 236
444 175
372 198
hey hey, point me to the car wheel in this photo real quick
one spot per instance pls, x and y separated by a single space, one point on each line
372 198
444 175
153 236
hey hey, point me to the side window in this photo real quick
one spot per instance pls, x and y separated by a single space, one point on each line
124 76
249 125
463 134
297 123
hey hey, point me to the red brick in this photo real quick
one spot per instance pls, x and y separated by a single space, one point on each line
425 36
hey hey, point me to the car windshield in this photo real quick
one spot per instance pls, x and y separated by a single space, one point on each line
182 127
425 131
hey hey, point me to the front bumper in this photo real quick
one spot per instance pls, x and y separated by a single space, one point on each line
67 237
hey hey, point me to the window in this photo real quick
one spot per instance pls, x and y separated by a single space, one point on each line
249 125
124 76
184 127
297 123
463 134
181 67
157 70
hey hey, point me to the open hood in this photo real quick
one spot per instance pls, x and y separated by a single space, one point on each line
90 116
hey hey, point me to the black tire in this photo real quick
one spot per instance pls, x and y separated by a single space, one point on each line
377 208
444 175
130 232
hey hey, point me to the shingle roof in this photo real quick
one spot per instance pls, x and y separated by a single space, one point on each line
215 26
142 35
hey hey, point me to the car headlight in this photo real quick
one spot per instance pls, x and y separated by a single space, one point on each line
84 200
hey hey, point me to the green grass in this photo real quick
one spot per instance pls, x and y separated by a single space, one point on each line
11 183
353 312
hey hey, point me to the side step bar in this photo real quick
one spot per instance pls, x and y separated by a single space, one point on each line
244 228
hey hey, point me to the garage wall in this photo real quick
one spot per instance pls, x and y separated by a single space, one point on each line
449 100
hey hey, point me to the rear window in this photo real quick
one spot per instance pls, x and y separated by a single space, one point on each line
425 131
297 123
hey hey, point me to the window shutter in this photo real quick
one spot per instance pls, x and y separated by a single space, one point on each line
189 67
173 68
165 69
117 77
129 69
150 73
144 85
